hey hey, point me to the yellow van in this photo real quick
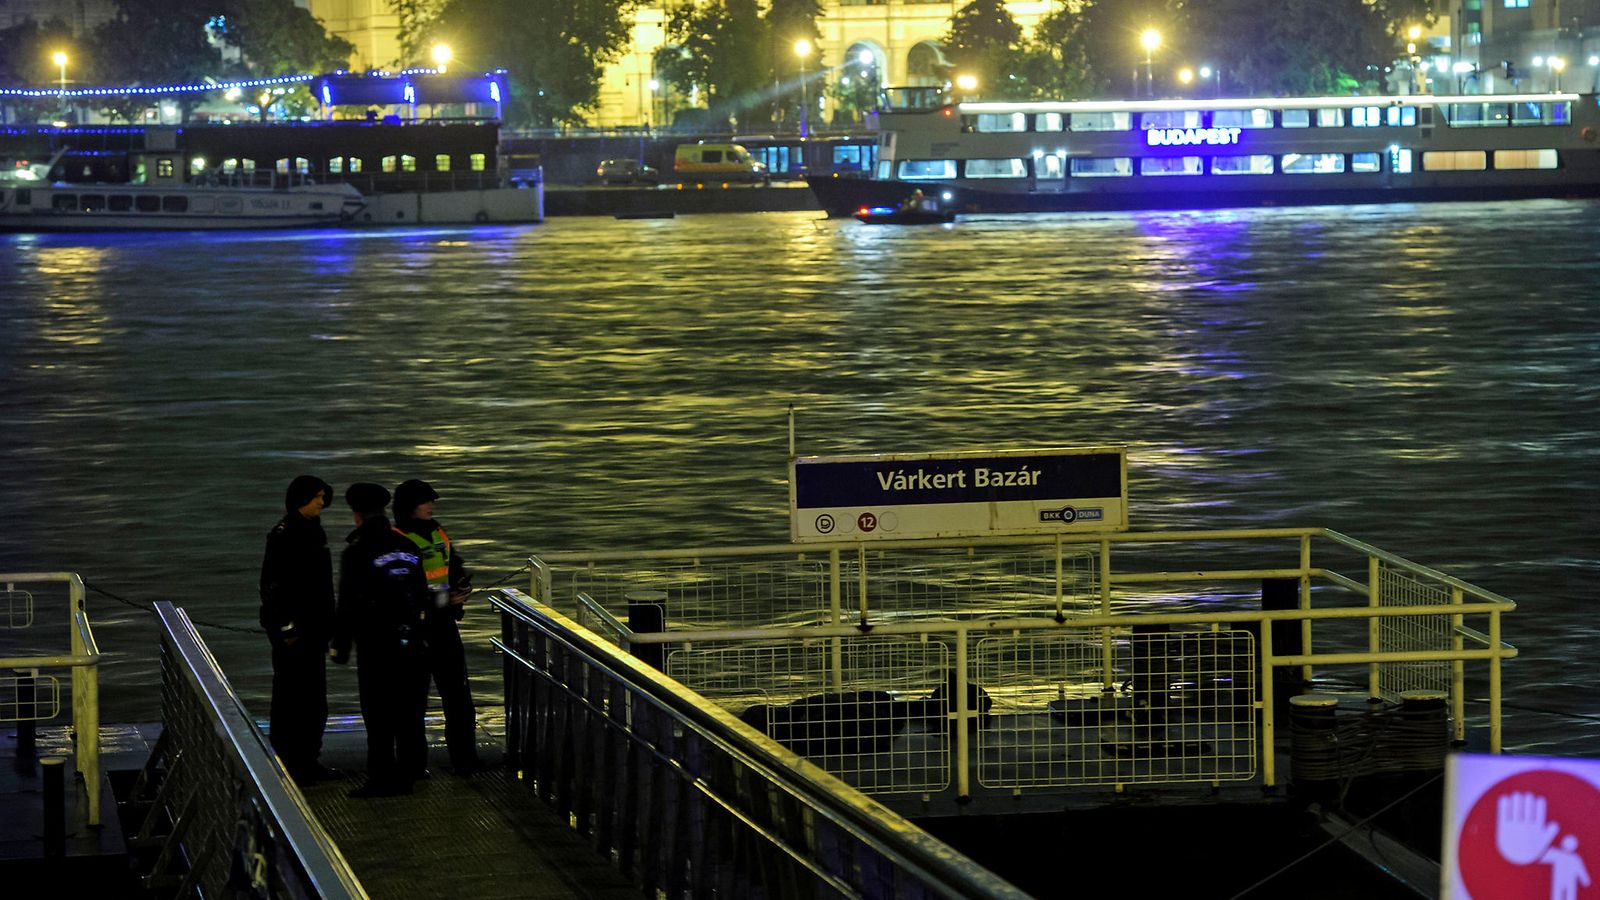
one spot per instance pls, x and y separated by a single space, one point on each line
712 162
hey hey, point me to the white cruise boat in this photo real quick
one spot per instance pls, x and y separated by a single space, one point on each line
1180 154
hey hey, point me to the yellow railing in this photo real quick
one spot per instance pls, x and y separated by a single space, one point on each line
84 661
1088 589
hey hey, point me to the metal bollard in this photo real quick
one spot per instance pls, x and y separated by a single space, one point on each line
647 614
55 798
1314 752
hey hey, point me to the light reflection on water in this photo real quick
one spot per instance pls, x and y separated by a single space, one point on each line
1420 377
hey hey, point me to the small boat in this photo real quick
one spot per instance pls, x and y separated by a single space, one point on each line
903 215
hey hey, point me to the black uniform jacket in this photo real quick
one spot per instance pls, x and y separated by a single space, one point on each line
383 592
297 581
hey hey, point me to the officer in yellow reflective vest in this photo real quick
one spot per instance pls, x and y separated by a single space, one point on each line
451 585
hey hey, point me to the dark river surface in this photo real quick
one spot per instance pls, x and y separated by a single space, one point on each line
1421 377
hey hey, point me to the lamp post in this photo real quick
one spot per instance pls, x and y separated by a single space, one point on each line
441 57
60 59
1150 39
1186 76
802 49
1207 72
1557 66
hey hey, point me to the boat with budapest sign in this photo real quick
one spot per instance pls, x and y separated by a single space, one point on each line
1180 154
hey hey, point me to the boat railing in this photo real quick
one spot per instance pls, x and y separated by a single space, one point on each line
685 799
220 795
35 692
1023 633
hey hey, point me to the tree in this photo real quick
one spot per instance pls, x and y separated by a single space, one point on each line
276 37
1055 59
716 52
984 41
153 42
787 23
29 47
556 57
417 20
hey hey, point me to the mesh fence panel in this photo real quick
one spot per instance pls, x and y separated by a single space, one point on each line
1399 587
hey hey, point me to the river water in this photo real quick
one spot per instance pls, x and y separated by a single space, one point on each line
1421 377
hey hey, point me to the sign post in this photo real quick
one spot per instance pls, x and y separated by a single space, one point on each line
967 494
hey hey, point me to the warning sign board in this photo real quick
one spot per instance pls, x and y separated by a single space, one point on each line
898 496
1521 828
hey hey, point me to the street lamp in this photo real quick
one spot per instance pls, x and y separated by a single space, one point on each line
802 49
1558 65
61 60
1185 76
1150 39
1206 72
441 57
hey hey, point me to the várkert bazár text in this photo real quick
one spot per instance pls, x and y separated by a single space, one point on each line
921 480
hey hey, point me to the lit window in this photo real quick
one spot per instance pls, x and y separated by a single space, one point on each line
1254 164
1365 117
922 169
230 166
991 123
885 169
1365 162
249 166
1049 122
996 168
1102 167
1330 118
1178 118
1525 159
441 162
1399 160
355 164
391 163
1297 118
336 165
283 166
1312 163
479 161
408 163
1242 118
302 165
1052 166
1400 115
1101 121
1454 161
1516 4
164 168
1171 165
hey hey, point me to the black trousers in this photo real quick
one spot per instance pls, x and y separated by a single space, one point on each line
299 713
447 662
394 696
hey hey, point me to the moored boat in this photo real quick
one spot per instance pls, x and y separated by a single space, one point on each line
173 207
1153 154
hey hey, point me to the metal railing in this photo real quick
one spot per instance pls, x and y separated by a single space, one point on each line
1070 662
221 797
84 662
687 799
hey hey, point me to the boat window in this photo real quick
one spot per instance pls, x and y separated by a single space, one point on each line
1254 164
316 204
1365 162
1101 121
1365 117
408 163
230 166
1454 161
302 166
479 161
197 165
120 202
64 202
1101 166
282 166
914 169
336 165
164 167
990 123
24 196
1242 118
1171 165
355 164
1400 116
1049 122
1330 118
147 203
1312 163
1525 159
1177 118
203 205
1297 118
1052 166
93 202
391 163
174 203
249 166
1541 113
996 168
1399 160
885 169
441 162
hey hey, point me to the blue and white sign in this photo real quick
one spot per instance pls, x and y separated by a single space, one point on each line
901 496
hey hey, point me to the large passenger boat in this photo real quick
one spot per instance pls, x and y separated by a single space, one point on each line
1081 155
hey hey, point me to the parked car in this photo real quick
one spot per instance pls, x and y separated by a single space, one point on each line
627 171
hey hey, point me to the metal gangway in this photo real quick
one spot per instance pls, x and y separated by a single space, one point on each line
1077 665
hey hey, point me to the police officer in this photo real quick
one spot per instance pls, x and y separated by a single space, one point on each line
383 595
450 584
297 613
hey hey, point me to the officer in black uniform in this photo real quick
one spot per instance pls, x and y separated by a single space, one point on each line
297 613
451 585
383 596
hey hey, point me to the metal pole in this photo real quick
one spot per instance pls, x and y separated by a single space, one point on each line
803 103
1149 78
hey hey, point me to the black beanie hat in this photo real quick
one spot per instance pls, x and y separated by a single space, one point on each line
302 489
366 497
411 494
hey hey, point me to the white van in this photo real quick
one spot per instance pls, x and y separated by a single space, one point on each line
727 162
